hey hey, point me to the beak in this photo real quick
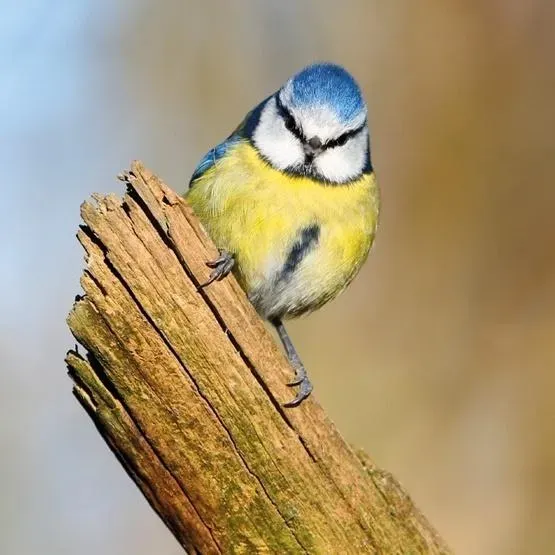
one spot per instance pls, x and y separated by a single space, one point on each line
312 147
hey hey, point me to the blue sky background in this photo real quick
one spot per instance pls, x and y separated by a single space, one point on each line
60 98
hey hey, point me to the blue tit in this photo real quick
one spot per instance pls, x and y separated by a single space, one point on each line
291 200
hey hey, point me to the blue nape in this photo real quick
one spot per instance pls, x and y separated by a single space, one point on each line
331 85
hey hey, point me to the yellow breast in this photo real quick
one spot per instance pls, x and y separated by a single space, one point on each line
256 212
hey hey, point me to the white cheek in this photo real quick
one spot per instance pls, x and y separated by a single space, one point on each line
274 142
344 162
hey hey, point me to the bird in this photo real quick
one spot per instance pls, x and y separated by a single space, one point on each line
291 200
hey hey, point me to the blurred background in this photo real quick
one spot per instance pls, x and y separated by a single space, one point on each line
439 360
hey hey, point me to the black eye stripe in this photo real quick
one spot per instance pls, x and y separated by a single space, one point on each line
289 120
291 124
342 139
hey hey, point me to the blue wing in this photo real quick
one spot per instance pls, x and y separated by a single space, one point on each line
213 155
242 133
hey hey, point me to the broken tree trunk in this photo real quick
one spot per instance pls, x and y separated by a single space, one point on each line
187 388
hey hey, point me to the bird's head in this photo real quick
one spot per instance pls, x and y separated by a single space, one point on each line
315 125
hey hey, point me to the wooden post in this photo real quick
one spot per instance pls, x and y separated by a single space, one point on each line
187 388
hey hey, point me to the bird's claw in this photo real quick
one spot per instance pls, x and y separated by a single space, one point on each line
305 390
300 374
300 379
223 257
221 268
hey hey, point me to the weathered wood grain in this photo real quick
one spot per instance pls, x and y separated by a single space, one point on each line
187 388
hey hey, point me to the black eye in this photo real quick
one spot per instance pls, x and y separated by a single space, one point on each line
341 140
290 123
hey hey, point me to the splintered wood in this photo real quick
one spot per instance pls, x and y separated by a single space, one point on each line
187 387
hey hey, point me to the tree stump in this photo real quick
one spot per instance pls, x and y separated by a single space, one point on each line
187 388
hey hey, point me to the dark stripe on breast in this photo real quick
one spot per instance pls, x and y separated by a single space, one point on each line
308 239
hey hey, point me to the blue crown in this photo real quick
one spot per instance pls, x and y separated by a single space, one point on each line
329 85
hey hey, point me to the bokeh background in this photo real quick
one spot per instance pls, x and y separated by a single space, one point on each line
440 358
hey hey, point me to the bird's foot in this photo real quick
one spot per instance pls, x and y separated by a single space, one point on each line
300 372
305 387
300 379
220 268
